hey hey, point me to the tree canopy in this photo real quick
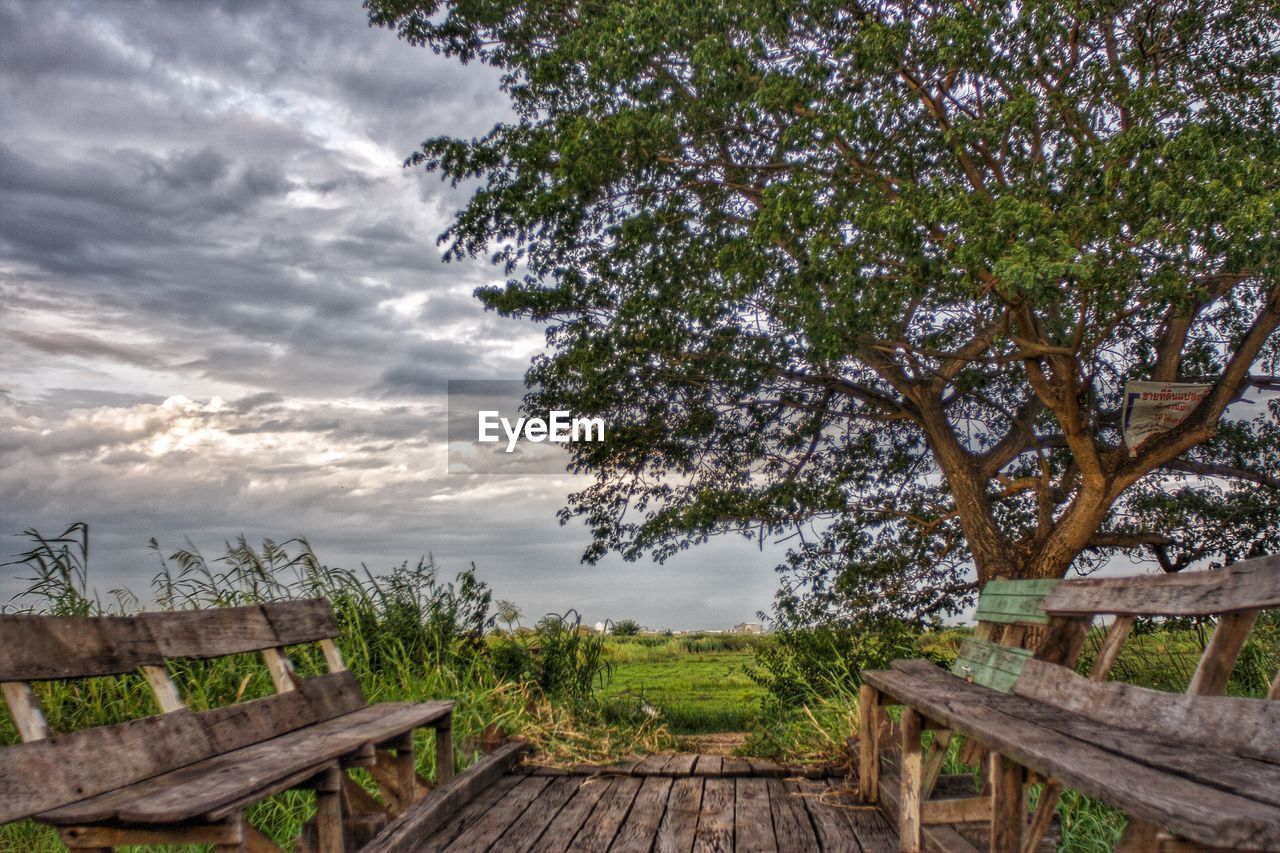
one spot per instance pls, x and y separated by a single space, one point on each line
872 275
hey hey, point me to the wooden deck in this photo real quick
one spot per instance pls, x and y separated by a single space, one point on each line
667 803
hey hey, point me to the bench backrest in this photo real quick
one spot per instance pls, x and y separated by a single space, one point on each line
50 770
1235 594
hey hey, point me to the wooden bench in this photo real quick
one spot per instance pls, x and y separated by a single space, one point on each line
1195 771
183 777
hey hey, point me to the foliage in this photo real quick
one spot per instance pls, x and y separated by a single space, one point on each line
875 276
625 628
803 664
561 658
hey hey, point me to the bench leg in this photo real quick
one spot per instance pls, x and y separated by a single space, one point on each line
1007 804
933 762
1043 816
329 811
869 745
1138 836
444 750
406 774
912 770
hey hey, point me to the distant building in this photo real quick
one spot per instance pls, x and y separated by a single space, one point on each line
748 628
599 627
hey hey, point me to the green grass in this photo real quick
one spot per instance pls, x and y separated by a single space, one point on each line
691 692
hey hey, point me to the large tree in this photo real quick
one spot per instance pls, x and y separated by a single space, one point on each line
874 274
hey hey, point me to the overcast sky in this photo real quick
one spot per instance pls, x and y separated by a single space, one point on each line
223 309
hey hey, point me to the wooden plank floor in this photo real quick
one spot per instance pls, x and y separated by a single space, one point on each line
664 804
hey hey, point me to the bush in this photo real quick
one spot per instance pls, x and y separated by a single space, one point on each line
558 656
625 628
801 665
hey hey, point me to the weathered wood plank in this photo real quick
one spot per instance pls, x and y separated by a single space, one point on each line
444 748
1184 755
483 835
39 648
1014 601
36 648
715 819
228 832
1219 658
766 769
956 810
163 688
218 632
937 838
526 831
25 710
869 744
1006 807
733 766
455 824
834 834
570 819
1247 585
680 764
625 767
1195 810
651 764
708 765
602 825
89 762
328 787
1237 725
1042 817
791 825
200 788
680 822
752 821
867 823
638 831
990 664
280 668
1111 645
911 773
933 762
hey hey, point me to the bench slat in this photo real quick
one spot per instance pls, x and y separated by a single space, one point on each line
1014 602
1247 585
202 789
1193 809
990 664
42 648
1249 727
45 774
236 630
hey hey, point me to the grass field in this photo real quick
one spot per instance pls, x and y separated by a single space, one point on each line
693 691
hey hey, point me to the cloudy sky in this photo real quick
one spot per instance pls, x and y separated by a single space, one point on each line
223 311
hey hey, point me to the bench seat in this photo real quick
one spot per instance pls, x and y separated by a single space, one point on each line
1200 792
215 787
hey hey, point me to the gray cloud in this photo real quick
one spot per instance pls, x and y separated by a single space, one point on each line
225 310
